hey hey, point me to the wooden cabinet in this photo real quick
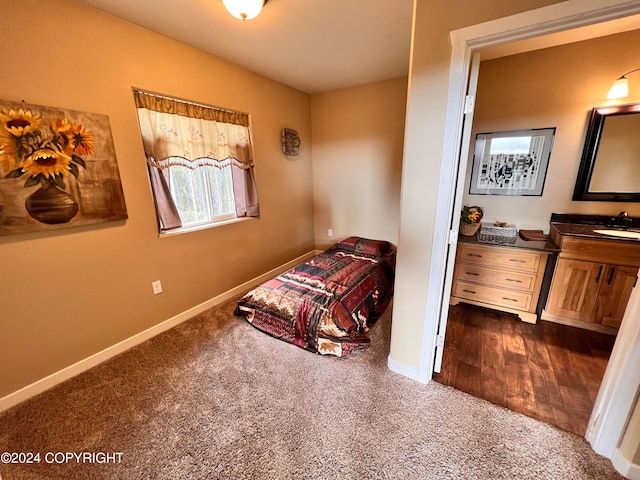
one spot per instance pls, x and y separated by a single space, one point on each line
592 282
498 276
574 290
591 292
616 285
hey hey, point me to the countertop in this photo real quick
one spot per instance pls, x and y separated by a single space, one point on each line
585 226
588 231
548 246
577 230
600 221
571 225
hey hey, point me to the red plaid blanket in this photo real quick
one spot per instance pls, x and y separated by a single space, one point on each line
328 303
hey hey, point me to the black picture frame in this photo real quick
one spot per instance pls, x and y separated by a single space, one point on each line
520 170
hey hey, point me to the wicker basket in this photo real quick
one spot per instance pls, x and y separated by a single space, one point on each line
500 234
469 229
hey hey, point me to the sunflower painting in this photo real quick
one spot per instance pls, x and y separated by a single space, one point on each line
57 169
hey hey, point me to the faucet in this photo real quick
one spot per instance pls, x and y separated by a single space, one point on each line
622 220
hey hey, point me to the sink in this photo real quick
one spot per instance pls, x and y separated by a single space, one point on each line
619 233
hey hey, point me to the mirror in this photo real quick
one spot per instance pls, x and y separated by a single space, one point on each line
610 166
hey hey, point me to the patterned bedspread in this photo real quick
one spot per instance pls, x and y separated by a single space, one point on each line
328 303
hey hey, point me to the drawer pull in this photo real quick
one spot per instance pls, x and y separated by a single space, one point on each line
474 255
468 291
510 299
513 280
613 269
517 260
472 273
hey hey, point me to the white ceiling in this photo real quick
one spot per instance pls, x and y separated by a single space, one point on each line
311 45
314 45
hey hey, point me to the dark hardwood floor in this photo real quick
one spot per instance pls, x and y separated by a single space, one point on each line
547 371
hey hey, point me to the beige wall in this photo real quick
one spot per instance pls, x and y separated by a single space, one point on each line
357 161
68 294
427 96
555 87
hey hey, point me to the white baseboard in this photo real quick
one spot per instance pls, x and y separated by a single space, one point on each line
403 369
624 466
66 373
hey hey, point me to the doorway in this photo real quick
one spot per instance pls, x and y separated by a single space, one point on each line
513 94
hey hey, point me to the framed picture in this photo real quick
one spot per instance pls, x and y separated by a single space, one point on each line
511 163
58 169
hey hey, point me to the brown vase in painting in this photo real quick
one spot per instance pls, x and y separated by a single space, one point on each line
51 205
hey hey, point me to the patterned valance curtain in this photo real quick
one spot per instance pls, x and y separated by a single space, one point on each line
191 135
176 132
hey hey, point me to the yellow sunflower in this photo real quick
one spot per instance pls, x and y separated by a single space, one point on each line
47 162
60 125
62 129
72 137
17 123
8 160
83 140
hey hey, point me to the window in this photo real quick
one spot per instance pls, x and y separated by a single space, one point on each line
199 160
203 195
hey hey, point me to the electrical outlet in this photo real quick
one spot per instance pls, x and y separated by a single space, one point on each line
330 232
157 287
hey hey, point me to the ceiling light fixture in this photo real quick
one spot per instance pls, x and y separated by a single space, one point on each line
244 9
620 87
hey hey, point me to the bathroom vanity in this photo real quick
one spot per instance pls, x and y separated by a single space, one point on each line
595 273
502 276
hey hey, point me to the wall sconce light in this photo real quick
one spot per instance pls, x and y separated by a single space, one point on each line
620 87
290 142
244 9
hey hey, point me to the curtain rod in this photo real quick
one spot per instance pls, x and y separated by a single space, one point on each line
188 102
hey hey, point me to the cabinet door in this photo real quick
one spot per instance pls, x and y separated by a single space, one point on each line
616 285
574 289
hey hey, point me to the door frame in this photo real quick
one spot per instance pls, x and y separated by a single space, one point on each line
457 186
620 384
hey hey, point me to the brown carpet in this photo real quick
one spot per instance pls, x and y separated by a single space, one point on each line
215 398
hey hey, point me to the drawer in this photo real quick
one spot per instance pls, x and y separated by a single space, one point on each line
602 251
491 295
499 278
498 257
